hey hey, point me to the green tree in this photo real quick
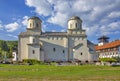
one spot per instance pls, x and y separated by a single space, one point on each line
12 45
7 47
4 49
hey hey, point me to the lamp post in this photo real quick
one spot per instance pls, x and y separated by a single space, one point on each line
73 53
5 57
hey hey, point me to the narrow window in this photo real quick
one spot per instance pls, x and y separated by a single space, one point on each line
37 25
33 51
54 49
76 25
70 25
33 40
81 53
33 24
30 24
63 51
41 49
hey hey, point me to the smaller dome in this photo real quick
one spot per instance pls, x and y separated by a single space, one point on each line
75 18
34 17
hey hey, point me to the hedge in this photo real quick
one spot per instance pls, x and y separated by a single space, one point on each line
32 61
108 59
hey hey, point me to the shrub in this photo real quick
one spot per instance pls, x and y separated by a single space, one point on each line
108 59
32 61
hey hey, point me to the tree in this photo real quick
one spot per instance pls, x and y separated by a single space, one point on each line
7 47
12 45
117 58
4 49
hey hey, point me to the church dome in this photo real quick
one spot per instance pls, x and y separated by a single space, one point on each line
34 17
34 22
75 18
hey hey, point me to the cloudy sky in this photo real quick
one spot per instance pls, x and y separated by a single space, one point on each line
100 17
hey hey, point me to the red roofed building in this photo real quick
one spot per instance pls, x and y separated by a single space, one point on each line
107 49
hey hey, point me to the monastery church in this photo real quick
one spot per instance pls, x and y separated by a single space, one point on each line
71 45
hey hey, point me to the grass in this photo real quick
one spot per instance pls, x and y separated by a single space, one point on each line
53 73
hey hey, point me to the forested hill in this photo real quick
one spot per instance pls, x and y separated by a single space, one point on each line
8 47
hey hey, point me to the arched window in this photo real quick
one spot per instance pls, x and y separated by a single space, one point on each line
30 24
33 51
37 25
54 49
33 24
33 40
81 53
70 25
76 25
63 51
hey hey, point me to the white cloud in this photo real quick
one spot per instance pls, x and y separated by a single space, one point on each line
14 36
114 14
42 7
58 19
1 24
12 27
24 22
53 30
95 14
114 25
43 27
63 30
112 28
0 21
91 30
81 6
63 6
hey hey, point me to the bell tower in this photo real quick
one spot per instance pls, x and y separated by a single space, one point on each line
75 26
103 40
75 23
34 24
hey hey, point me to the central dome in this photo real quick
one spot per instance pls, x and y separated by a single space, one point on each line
34 23
75 17
35 17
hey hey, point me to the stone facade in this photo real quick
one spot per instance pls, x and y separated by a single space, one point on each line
56 46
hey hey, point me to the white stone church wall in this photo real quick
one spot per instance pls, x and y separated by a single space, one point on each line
81 52
55 49
34 52
23 48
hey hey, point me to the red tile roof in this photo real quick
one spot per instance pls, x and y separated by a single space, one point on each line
108 45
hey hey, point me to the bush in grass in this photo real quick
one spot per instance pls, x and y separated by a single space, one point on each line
117 58
32 61
108 60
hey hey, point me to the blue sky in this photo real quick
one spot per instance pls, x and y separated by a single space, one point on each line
100 17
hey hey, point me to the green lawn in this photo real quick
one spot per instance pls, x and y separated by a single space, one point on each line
53 73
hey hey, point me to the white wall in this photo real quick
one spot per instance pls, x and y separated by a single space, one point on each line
36 49
59 44
76 53
23 48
